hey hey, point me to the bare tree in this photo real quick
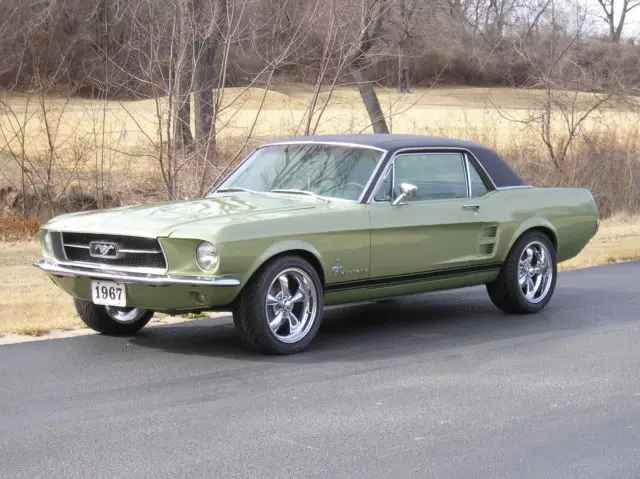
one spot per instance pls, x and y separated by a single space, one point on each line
404 21
210 21
182 73
562 102
372 14
616 25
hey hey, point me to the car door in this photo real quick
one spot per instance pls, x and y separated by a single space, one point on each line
443 226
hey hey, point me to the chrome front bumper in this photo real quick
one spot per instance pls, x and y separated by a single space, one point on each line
55 269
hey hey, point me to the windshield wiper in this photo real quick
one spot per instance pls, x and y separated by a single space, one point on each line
299 192
234 189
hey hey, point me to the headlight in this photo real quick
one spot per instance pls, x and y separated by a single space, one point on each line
206 256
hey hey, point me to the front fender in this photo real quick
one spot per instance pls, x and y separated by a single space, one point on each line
279 248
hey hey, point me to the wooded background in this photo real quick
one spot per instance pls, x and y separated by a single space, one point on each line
186 51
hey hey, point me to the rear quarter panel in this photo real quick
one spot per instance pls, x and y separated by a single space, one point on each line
570 214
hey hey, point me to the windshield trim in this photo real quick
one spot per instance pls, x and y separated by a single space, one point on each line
334 143
363 195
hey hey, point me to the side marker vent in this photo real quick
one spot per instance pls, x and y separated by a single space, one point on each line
488 232
487 240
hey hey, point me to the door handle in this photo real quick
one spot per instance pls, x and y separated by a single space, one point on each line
471 207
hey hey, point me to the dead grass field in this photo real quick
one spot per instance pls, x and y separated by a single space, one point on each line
115 130
31 304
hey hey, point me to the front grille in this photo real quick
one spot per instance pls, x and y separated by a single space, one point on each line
132 251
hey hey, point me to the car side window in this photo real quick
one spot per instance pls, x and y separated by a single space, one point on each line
478 186
437 175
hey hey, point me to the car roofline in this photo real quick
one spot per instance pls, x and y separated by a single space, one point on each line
324 142
388 154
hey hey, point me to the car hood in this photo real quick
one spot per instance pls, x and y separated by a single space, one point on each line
165 218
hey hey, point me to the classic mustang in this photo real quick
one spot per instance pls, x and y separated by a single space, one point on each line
322 220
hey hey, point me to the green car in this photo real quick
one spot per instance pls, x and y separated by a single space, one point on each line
322 220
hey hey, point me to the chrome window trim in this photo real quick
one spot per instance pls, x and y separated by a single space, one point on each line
470 165
474 161
211 189
389 166
426 149
360 199
467 173
514 187
333 143
372 177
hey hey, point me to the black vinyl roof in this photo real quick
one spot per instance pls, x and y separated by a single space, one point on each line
501 173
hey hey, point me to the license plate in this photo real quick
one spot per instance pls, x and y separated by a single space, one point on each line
108 293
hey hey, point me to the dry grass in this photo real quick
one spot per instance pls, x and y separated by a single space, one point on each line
130 127
618 240
31 304
109 151
15 227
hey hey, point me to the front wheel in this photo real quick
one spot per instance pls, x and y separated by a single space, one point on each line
527 280
280 309
110 320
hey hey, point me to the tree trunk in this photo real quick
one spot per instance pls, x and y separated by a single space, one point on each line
183 117
403 68
182 77
204 83
369 98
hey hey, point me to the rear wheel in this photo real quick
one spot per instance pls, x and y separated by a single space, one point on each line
280 309
111 320
527 280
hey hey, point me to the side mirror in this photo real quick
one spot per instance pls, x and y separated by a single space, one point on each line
407 190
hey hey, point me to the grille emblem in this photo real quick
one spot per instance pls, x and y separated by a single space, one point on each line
103 249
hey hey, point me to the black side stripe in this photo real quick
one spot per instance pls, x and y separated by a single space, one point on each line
411 278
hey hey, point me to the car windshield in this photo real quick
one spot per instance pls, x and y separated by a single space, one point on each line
336 171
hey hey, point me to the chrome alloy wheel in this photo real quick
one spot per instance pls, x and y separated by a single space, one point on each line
535 272
291 305
125 315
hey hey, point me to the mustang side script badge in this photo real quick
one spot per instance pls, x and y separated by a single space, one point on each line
337 269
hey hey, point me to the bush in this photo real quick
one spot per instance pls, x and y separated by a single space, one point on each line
604 162
16 227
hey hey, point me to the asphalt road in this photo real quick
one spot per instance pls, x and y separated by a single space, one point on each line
439 385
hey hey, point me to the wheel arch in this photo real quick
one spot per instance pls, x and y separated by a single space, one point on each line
296 248
534 224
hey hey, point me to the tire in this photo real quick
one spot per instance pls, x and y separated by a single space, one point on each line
112 321
294 324
507 294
